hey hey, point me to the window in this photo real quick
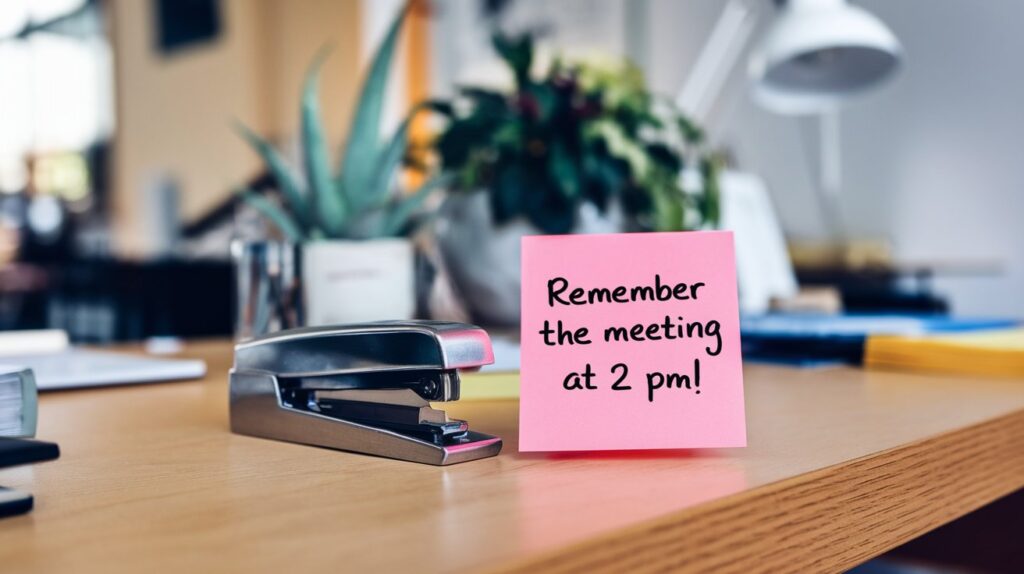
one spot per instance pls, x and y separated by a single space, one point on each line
56 86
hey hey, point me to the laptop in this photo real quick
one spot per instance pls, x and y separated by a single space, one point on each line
58 365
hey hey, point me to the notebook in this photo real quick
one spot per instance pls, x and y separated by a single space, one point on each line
998 353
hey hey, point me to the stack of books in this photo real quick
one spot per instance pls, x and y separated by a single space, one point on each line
998 353
17 402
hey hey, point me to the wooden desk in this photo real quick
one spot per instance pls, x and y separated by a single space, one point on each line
842 465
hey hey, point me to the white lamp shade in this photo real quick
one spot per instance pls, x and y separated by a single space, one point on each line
818 53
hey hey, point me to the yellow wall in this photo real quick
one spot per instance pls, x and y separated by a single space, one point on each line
298 30
174 113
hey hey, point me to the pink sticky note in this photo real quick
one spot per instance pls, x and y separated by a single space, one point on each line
660 313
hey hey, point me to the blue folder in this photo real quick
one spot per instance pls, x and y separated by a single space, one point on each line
807 339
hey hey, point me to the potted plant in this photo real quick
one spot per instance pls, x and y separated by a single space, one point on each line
579 147
352 223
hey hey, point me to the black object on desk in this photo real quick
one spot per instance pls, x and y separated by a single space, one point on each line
17 451
879 288
14 502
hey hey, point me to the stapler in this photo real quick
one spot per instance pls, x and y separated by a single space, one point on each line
362 388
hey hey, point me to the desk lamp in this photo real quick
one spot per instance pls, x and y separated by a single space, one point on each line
815 57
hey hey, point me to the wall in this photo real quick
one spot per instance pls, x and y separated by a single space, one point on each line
174 113
295 31
930 163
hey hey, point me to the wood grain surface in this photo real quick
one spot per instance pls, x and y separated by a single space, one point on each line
842 465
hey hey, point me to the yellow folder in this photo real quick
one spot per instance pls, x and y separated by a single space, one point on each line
489 386
992 353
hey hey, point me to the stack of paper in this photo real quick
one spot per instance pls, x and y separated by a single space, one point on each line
989 353
17 403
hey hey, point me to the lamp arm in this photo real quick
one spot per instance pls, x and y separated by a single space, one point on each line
717 60
831 173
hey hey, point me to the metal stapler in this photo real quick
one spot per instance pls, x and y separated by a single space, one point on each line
362 388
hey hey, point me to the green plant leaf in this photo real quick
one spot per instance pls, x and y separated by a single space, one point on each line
563 171
509 136
441 107
363 145
664 157
490 101
668 207
274 214
278 167
393 155
517 51
544 99
620 145
402 212
330 205
710 169
551 212
692 133
507 189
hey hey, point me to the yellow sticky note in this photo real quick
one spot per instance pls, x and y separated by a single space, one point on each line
990 353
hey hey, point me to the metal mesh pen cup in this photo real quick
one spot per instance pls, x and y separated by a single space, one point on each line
268 287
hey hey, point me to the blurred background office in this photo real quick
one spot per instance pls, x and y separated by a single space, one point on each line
121 160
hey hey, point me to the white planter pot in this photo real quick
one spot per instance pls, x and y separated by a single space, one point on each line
358 281
484 260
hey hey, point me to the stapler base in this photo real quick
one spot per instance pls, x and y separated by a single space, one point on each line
256 410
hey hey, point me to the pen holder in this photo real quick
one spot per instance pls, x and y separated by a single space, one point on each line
268 286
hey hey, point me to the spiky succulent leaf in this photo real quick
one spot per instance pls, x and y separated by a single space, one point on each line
273 212
330 205
391 159
363 145
399 215
282 173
